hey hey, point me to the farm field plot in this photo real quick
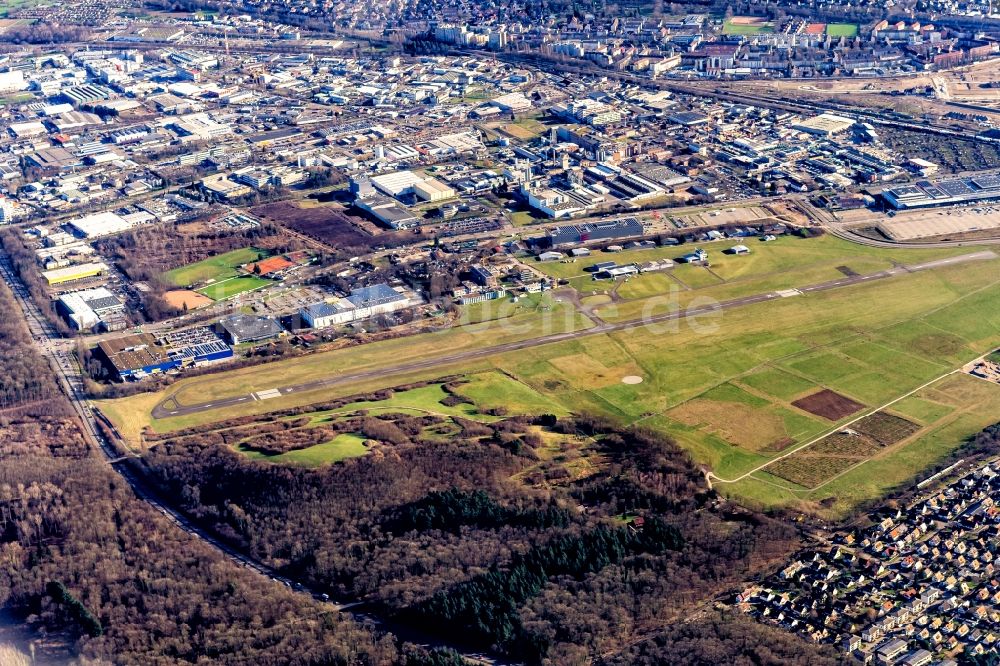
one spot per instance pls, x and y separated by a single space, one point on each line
820 462
828 404
885 428
230 287
810 471
776 382
951 409
216 268
744 420
757 357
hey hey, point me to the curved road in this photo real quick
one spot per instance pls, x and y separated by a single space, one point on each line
171 407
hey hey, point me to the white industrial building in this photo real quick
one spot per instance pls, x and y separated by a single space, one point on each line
361 304
100 224
397 183
12 81
404 183
433 189
87 309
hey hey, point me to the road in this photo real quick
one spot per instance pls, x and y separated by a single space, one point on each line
67 372
170 407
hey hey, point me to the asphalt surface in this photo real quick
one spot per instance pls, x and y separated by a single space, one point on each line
170 407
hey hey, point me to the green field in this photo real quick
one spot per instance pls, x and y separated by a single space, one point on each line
7 7
229 287
723 389
505 308
757 27
219 267
339 448
785 263
849 30
17 98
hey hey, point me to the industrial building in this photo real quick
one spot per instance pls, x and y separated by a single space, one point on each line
196 346
405 183
92 308
927 193
595 231
397 183
825 124
363 303
99 224
134 356
241 328
75 272
388 211
433 189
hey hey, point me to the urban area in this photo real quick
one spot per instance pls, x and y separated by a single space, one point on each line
555 333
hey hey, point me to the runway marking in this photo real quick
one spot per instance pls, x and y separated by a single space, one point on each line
268 394
788 293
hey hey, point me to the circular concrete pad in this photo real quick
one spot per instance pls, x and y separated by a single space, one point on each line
632 379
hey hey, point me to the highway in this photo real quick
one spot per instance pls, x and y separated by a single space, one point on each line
170 407
67 371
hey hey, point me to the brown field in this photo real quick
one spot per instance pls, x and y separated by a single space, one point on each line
348 234
828 404
178 298
748 20
517 132
817 464
810 471
738 424
885 428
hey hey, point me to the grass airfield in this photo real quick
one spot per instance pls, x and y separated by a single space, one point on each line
723 389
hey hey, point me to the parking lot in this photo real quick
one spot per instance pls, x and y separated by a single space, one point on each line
941 222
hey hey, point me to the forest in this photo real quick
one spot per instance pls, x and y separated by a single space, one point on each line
102 576
438 528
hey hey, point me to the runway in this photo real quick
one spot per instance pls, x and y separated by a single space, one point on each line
171 408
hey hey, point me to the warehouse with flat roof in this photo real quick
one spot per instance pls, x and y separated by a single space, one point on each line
134 356
825 124
87 309
240 328
397 183
99 224
595 231
75 272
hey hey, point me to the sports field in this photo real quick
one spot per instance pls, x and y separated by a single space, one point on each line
746 25
215 268
232 286
849 30
725 388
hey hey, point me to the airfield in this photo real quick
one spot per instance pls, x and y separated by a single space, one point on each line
754 364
